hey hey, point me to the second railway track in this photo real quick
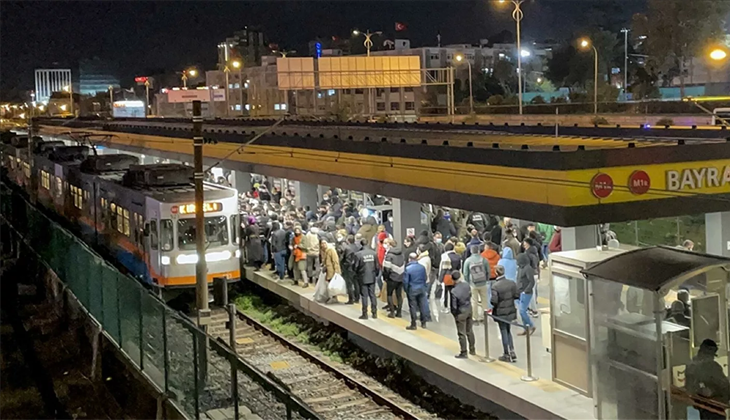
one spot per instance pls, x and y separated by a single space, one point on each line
330 392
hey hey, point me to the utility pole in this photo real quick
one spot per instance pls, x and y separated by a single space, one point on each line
201 269
32 178
146 98
626 62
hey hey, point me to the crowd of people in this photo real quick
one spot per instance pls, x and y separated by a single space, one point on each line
492 268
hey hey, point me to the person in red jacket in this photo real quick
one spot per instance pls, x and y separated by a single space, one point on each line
491 254
556 244
382 236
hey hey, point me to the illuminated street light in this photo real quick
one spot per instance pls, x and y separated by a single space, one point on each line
460 58
236 64
185 73
539 80
517 15
585 43
368 42
525 53
718 54
70 90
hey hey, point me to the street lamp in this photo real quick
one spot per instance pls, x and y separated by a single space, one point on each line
368 42
236 65
460 58
517 15
718 54
185 73
585 43
70 90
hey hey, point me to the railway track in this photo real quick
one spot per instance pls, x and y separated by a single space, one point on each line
330 392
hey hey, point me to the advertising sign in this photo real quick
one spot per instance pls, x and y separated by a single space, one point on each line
178 96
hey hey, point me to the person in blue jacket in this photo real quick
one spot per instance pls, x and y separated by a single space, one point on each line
414 281
509 263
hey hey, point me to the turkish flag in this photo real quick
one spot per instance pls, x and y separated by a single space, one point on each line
400 26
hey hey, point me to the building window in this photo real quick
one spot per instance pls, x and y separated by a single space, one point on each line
381 106
238 107
410 106
434 57
347 91
330 92
230 86
379 92
277 107
359 91
45 180
248 107
394 90
236 85
395 106
409 89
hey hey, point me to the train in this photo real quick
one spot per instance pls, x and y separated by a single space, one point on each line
143 216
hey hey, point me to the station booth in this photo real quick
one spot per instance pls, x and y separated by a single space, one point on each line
607 308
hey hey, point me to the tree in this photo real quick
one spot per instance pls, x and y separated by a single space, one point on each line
678 30
644 86
506 74
569 67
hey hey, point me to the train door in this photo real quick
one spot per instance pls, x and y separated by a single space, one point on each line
152 238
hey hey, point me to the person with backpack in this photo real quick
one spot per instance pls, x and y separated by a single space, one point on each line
476 274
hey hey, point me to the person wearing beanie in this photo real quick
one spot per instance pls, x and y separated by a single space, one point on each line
462 311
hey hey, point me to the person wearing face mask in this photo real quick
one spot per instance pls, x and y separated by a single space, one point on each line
300 258
347 264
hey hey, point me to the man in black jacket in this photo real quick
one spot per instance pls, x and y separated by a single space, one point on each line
504 294
525 284
347 261
461 310
279 247
393 268
366 271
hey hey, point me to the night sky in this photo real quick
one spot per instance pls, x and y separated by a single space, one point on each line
136 36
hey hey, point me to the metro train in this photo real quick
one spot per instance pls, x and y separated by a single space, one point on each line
142 215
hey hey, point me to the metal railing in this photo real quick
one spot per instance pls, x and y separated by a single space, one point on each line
528 377
164 345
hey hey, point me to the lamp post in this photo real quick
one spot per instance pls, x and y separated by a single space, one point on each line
70 90
146 97
584 44
517 15
191 72
626 61
460 58
368 42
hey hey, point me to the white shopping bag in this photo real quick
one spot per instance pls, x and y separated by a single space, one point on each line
337 286
320 289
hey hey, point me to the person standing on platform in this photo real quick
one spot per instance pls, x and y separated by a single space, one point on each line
300 258
254 247
366 270
310 245
478 220
461 309
476 274
347 256
473 240
393 268
511 242
509 264
556 243
706 380
525 284
450 261
504 294
414 281
330 260
279 248
492 255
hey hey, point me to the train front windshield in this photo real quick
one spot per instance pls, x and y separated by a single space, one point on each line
216 232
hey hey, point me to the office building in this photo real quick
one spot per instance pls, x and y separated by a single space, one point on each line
48 81
247 45
96 76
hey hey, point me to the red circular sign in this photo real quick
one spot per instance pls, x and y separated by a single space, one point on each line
639 182
602 185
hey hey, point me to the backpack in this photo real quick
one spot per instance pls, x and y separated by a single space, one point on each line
477 274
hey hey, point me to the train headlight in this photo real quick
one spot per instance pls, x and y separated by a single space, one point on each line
218 256
187 259
165 260
238 253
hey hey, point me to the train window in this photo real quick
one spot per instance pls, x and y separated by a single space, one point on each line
126 222
216 232
26 170
120 220
112 216
59 186
77 195
153 234
166 234
45 180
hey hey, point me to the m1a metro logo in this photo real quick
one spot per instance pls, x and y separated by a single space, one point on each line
639 182
698 178
602 185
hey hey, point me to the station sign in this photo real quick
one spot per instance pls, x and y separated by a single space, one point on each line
602 185
698 178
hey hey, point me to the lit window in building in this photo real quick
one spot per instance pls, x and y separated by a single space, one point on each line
238 107
330 92
230 86
283 107
319 94
248 107
277 107
245 85
237 86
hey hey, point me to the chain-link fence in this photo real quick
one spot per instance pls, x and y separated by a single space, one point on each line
201 377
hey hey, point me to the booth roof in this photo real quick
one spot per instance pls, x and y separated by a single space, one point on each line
652 268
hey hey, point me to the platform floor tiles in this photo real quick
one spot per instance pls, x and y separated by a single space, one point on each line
438 342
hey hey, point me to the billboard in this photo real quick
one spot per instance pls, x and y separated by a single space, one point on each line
177 96
129 109
369 72
295 73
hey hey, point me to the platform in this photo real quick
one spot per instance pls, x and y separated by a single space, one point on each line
434 348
